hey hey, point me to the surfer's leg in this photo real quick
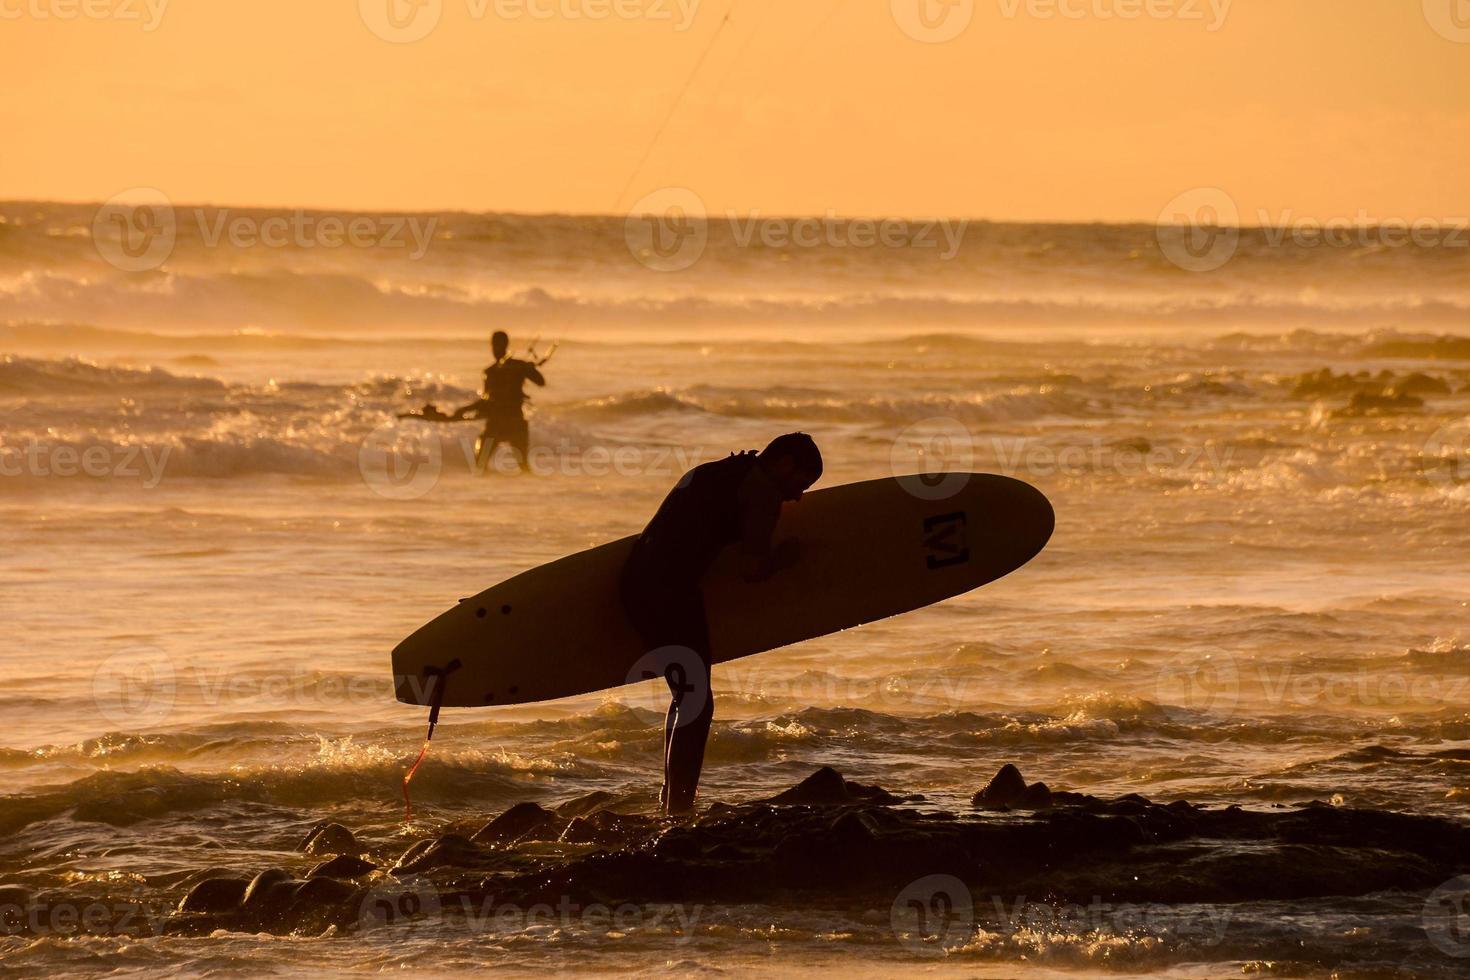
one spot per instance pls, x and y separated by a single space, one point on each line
485 449
693 710
671 720
520 443
693 715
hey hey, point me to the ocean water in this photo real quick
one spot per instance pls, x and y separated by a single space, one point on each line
215 531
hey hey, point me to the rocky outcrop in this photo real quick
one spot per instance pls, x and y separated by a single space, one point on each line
832 840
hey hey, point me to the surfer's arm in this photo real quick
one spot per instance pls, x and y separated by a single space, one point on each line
759 560
534 375
466 412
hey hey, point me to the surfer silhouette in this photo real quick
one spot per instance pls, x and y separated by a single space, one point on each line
503 406
736 499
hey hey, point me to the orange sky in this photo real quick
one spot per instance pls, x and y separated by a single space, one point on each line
1324 107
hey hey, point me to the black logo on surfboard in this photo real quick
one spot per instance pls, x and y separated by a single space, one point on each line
946 541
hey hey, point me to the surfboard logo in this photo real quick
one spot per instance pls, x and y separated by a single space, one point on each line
946 540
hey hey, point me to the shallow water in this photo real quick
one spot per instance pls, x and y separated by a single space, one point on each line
1253 595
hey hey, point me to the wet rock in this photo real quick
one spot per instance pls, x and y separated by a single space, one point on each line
604 827
676 844
1035 797
826 787
1325 383
451 850
583 805
854 828
342 866
1364 403
324 892
214 895
1004 788
331 838
524 821
1008 790
1422 384
257 893
1126 849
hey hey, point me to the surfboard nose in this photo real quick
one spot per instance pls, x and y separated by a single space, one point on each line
1023 514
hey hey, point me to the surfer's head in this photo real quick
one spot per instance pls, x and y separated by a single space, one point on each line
499 343
794 462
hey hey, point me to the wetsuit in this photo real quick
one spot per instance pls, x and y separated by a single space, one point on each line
715 505
505 416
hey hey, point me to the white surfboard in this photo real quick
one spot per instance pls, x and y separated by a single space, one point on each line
867 551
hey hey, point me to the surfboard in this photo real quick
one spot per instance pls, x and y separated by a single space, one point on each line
867 551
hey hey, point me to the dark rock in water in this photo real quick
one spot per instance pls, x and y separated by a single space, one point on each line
855 828
676 844
1391 401
1008 790
451 850
258 891
524 821
214 895
1035 797
834 846
342 866
324 891
604 827
826 787
1005 788
1419 383
584 805
331 838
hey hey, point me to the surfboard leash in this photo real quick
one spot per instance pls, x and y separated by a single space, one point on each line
438 676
